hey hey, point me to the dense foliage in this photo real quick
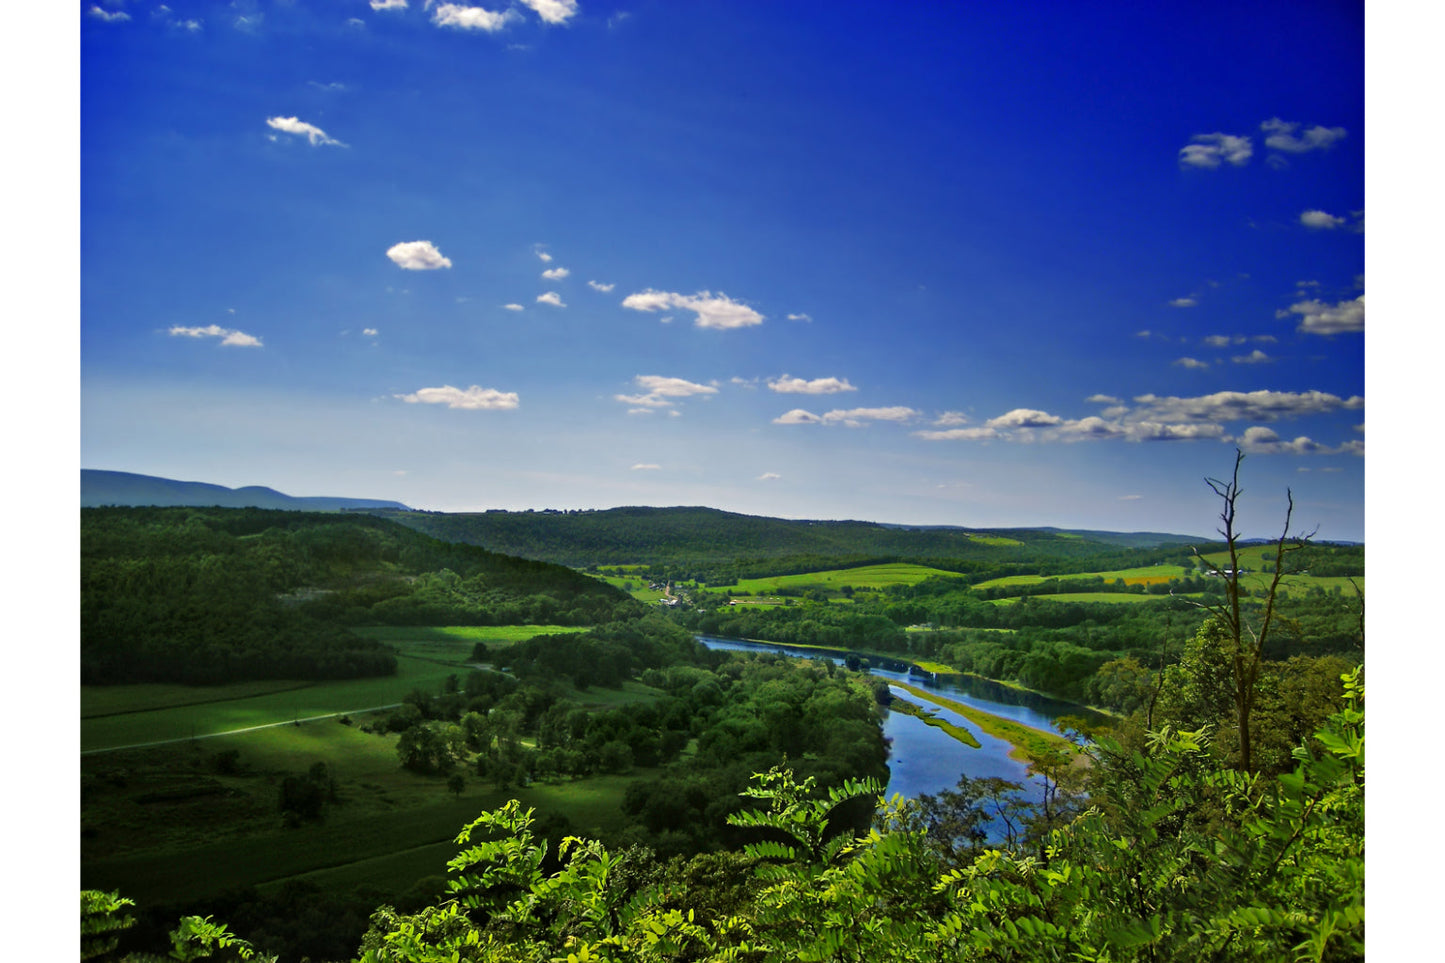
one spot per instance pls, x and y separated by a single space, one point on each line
212 595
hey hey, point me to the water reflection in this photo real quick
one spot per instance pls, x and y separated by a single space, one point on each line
923 758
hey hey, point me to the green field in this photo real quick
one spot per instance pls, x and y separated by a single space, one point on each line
389 828
1144 572
634 586
864 577
463 636
166 822
1252 580
128 715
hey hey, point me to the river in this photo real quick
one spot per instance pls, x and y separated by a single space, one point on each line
925 759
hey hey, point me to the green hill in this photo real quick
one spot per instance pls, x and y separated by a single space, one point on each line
708 536
204 595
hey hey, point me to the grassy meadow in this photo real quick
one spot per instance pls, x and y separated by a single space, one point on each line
863 577
171 822
172 827
113 716
1142 575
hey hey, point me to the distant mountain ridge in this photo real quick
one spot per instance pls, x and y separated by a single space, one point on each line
99 488
632 532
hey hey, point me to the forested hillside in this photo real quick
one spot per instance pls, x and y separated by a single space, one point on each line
212 595
706 537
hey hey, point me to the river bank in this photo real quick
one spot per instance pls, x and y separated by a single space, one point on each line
1030 743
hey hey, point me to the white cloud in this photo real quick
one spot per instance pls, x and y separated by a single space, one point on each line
514 307
599 286
388 4
818 386
116 17
370 332
474 398
230 337
1157 419
1183 303
663 392
417 256
459 17
1103 400
1130 498
1224 406
552 298
1158 431
1282 136
1209 150
1092 428
1192 363
800 317
1218 340
950 419
645 466
713 311
542 255
556 273
1024 418
1320 219
851 417
1317 317
958 434
769 476
1254 357
291 125
553 11
1261 440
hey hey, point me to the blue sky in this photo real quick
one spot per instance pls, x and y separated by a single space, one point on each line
974 264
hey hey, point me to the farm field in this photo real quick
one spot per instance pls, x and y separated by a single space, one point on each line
197 817
1144 573
389 828
463 637
114 716
1252 580
864 577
